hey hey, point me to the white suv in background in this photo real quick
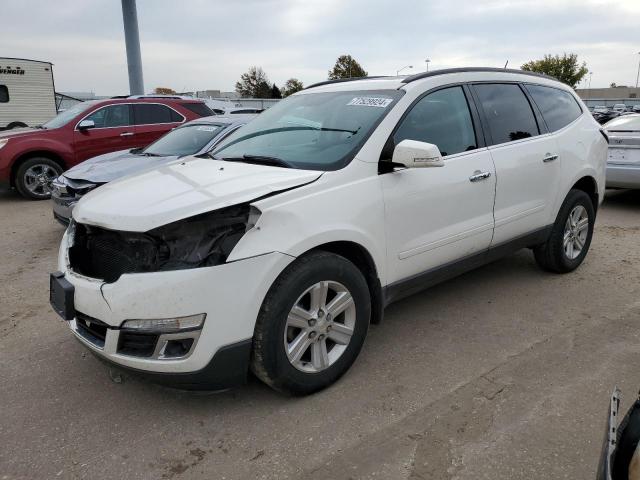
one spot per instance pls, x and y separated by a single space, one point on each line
279 250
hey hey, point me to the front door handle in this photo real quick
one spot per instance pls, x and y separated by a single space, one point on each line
126 134
549 158
478 175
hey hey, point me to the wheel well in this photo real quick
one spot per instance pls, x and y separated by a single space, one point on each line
23 158
362 259
589 186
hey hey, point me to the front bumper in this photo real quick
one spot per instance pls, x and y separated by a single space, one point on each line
230 295
623 176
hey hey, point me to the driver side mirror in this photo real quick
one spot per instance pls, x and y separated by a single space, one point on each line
414 154
86 124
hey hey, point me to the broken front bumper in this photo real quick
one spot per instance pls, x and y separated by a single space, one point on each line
230 295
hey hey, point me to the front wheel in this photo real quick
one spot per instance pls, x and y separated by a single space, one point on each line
571 235
312 324
35 176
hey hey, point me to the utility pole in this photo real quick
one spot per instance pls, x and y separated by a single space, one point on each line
132 41
638 75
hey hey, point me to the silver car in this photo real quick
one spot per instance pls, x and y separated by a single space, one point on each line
623 162
193 138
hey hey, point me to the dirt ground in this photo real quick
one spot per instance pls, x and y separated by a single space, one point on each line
503 373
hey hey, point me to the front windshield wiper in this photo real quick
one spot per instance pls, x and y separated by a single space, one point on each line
40 127
258 159
149 154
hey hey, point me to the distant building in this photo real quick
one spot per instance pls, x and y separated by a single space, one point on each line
610 96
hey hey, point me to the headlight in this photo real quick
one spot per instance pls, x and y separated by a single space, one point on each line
166 325
204 240
3 142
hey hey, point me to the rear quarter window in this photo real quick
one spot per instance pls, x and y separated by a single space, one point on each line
558 108
198 108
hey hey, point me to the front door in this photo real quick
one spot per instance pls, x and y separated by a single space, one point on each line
438 215
113 131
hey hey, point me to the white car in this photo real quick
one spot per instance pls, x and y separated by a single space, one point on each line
619 107
623 163
277 253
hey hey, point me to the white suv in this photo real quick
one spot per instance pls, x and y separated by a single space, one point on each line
277 253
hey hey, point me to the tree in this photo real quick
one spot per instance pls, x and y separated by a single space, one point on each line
254 84
291 86
164 91
346 67
565 68
275 92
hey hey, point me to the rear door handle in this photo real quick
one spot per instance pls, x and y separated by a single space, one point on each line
478 175
126 134
549 158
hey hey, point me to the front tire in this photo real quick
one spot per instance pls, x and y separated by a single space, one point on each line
312 324
571 235
34 177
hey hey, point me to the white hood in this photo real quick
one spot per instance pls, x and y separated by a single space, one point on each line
181 190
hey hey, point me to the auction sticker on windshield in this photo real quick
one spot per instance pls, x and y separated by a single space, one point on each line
207 129
370 102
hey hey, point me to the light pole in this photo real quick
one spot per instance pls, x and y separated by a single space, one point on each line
132 42
398 71
638 75
427 61
589 87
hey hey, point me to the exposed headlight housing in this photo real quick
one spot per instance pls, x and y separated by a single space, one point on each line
166 325
204 240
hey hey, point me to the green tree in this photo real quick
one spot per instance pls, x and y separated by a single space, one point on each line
254 84
275 92
565 68
346 67
291 86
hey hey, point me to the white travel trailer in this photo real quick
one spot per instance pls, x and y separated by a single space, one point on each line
27 93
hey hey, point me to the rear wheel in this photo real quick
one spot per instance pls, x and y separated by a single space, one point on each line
16 125
312 324
34 177
570 237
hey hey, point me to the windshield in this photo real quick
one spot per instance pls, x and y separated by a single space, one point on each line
185 140
317 131
625 123
65 117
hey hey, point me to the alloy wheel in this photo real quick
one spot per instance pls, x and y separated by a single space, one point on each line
576 230
319 326
38 179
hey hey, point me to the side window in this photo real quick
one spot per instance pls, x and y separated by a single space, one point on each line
508 112
150 113
111 116
559 108
4 94
441 118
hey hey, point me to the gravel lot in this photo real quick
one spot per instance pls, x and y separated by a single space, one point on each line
503 373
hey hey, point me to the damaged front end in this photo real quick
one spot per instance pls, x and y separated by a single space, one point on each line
203 240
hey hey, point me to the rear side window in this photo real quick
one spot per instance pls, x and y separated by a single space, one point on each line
150 113
198 108
507 111
4 94
111 116
441 118
558 107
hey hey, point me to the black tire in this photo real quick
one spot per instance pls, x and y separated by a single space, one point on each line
269 360
23 179
551 255
16 125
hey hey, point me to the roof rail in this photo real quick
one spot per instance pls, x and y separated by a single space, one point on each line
342 80
434 73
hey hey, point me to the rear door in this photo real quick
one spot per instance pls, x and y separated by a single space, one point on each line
113 131
152 120
526 160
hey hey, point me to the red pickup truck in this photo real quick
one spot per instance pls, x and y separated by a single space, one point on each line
30 159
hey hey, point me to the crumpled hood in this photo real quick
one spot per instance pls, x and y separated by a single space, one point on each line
180 190
111 166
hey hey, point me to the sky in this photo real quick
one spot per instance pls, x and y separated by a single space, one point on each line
207 44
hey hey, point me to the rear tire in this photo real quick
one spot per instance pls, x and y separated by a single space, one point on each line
570 238
16 125
33 178
319 298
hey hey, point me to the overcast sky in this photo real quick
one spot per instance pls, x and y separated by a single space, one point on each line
200 44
